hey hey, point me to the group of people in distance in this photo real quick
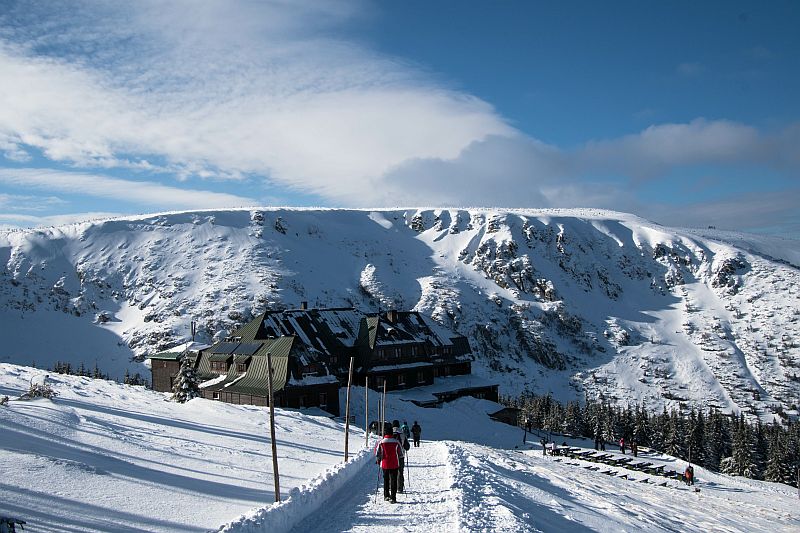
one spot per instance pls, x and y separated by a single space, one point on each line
390 453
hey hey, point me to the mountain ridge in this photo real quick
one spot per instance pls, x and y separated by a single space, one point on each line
566 301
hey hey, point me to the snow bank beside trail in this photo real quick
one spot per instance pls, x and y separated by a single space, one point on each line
302 502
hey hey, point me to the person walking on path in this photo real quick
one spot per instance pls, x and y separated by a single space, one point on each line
387 453
398 434
688 475
622 445
634 449
416 430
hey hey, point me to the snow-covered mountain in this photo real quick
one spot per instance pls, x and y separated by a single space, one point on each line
561 301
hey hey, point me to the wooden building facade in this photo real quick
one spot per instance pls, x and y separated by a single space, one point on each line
311 351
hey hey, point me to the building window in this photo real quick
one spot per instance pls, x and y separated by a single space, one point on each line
323 399
420 376
379 381
215 396
480 395
401 380
241 367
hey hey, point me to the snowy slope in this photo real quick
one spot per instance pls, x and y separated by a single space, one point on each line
109 457
561 301
112 458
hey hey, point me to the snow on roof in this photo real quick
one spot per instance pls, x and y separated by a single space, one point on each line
411 327
440 385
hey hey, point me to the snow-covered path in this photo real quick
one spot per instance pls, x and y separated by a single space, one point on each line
428 503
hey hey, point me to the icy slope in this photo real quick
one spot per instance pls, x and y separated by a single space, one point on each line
561 301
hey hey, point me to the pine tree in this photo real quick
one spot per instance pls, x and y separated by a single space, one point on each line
185 387
673 443
640 425
760 450
607 431
715 442
740 463
696 437
778 468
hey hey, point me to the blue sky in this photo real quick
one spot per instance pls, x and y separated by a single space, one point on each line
683 112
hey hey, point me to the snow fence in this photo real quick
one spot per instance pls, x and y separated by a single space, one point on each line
282 516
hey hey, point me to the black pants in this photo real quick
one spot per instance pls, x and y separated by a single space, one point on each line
416 441
390 483
401 478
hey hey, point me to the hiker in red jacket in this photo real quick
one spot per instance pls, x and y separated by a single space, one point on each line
387 453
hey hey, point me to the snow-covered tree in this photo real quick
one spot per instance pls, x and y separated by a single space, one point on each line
778 468
185 387
740 463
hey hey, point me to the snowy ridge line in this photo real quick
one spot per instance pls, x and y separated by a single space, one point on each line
302 502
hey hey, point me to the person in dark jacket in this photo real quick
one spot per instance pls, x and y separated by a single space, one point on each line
398 434
416 431
688 475
387 453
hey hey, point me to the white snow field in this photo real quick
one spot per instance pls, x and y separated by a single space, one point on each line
107 457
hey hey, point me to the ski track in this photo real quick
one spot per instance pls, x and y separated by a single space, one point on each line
428 504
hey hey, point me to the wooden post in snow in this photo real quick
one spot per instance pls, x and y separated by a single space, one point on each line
383 407
366 411
272 429
347 410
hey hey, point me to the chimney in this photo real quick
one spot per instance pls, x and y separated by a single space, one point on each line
303 306
391 315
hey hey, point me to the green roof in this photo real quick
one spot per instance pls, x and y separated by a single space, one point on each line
166 356
204 368
255 380
232 375
219 357
248 332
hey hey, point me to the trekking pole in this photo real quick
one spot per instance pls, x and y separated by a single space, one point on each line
378 485
408 472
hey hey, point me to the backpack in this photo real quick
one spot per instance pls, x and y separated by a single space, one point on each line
406 445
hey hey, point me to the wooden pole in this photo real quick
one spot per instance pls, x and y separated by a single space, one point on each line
366 411
347 410
383 414
272 429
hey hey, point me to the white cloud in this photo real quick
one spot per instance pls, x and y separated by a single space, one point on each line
775 211
150 194
664 147
519 171
16 221
226 89
17 202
